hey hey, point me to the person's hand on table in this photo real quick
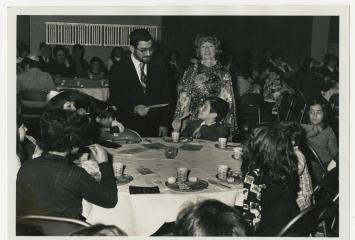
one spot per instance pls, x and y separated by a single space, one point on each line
141 110
98 153
163 131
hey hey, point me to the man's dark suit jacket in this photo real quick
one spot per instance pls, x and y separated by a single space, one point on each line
126 92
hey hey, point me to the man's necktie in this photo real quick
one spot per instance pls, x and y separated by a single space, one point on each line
143 76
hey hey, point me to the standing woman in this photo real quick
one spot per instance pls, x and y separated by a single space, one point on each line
206 78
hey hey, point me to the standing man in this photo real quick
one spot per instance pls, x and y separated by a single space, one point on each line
139 82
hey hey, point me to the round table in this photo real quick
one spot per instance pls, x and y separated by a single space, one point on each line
143 214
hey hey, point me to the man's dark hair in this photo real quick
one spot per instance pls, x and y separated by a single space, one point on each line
219 106
209 218
139 35
62 130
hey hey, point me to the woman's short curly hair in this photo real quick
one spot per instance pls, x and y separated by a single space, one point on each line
62 130
201 39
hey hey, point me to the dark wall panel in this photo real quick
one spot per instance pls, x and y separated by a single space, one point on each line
292 34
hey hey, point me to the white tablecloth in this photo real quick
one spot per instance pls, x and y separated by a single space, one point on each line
143 214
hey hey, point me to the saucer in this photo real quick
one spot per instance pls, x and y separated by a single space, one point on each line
188 186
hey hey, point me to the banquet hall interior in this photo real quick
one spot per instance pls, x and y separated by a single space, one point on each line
177 125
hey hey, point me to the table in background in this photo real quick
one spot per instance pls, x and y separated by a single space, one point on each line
97 88
143 214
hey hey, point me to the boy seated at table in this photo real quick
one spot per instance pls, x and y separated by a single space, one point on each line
209 126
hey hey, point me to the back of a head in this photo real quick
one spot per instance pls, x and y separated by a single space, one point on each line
209 218
62 130
269 149
219 106
139 35
100 230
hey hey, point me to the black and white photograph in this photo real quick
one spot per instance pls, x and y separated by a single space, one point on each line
178 121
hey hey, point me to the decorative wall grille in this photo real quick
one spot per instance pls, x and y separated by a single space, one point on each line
89 34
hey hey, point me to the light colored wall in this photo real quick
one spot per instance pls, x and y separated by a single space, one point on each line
37 29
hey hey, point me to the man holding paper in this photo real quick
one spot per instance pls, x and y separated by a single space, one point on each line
139 88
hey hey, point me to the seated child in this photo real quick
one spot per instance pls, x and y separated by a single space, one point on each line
320 134
209 126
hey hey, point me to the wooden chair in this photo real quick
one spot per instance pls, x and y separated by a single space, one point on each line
32 103
54 226
297 108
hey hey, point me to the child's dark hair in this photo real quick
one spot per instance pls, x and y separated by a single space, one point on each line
294 131
269 149
219 106
209 218
319 100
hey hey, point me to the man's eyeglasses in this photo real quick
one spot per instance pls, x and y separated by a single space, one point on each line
145 50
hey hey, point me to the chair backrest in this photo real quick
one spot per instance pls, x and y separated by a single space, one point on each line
297 108
285 106
304 224
54 226
32 102
315 164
